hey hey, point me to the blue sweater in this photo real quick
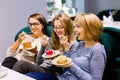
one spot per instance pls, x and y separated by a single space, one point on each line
88 63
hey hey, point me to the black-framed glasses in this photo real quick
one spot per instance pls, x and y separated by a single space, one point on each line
35 24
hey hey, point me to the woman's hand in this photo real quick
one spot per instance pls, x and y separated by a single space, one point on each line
22 36
64 41
44 40
15 46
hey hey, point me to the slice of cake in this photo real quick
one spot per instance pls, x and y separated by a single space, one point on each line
27 45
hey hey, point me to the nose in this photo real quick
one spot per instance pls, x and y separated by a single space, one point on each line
32 26
57 30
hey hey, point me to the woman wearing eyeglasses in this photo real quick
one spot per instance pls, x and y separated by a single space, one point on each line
17 51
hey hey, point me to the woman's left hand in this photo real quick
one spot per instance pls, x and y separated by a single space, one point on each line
44 40
64 41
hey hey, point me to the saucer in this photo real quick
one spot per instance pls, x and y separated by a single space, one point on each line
56 53
28 49
69 62
27 53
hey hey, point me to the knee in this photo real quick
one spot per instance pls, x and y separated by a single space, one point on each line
9 62
19 64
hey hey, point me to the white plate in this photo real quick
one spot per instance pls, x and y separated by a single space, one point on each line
56 53
69 62
27 53
3 73
27 49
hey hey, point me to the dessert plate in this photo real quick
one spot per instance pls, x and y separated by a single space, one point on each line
27 53
69 62
56 53
28 49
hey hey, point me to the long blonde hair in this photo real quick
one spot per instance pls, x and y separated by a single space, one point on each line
67 25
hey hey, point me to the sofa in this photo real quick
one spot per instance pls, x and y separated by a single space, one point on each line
110 38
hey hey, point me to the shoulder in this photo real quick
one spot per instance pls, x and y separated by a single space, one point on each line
98 47
98 50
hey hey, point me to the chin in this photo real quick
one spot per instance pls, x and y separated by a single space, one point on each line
35 32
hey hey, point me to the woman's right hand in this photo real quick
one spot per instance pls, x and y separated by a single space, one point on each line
15 46
22 36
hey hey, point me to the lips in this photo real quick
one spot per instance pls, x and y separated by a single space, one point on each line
34 30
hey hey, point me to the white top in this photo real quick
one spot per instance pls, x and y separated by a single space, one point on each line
19 54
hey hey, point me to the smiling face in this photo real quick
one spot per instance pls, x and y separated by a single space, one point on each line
79 32
89 27
35 26
58 28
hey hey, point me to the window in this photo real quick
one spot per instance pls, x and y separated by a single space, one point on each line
70 7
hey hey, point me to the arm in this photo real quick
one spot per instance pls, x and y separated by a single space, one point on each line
39 58
11 51
43 49
15 46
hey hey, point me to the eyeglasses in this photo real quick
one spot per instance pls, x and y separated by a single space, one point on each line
34 24
58 28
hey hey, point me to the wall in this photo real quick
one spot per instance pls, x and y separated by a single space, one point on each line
78 4
97 5
13 16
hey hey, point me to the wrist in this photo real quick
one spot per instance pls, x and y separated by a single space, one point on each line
66 47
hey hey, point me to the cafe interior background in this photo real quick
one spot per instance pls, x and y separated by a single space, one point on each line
14 14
